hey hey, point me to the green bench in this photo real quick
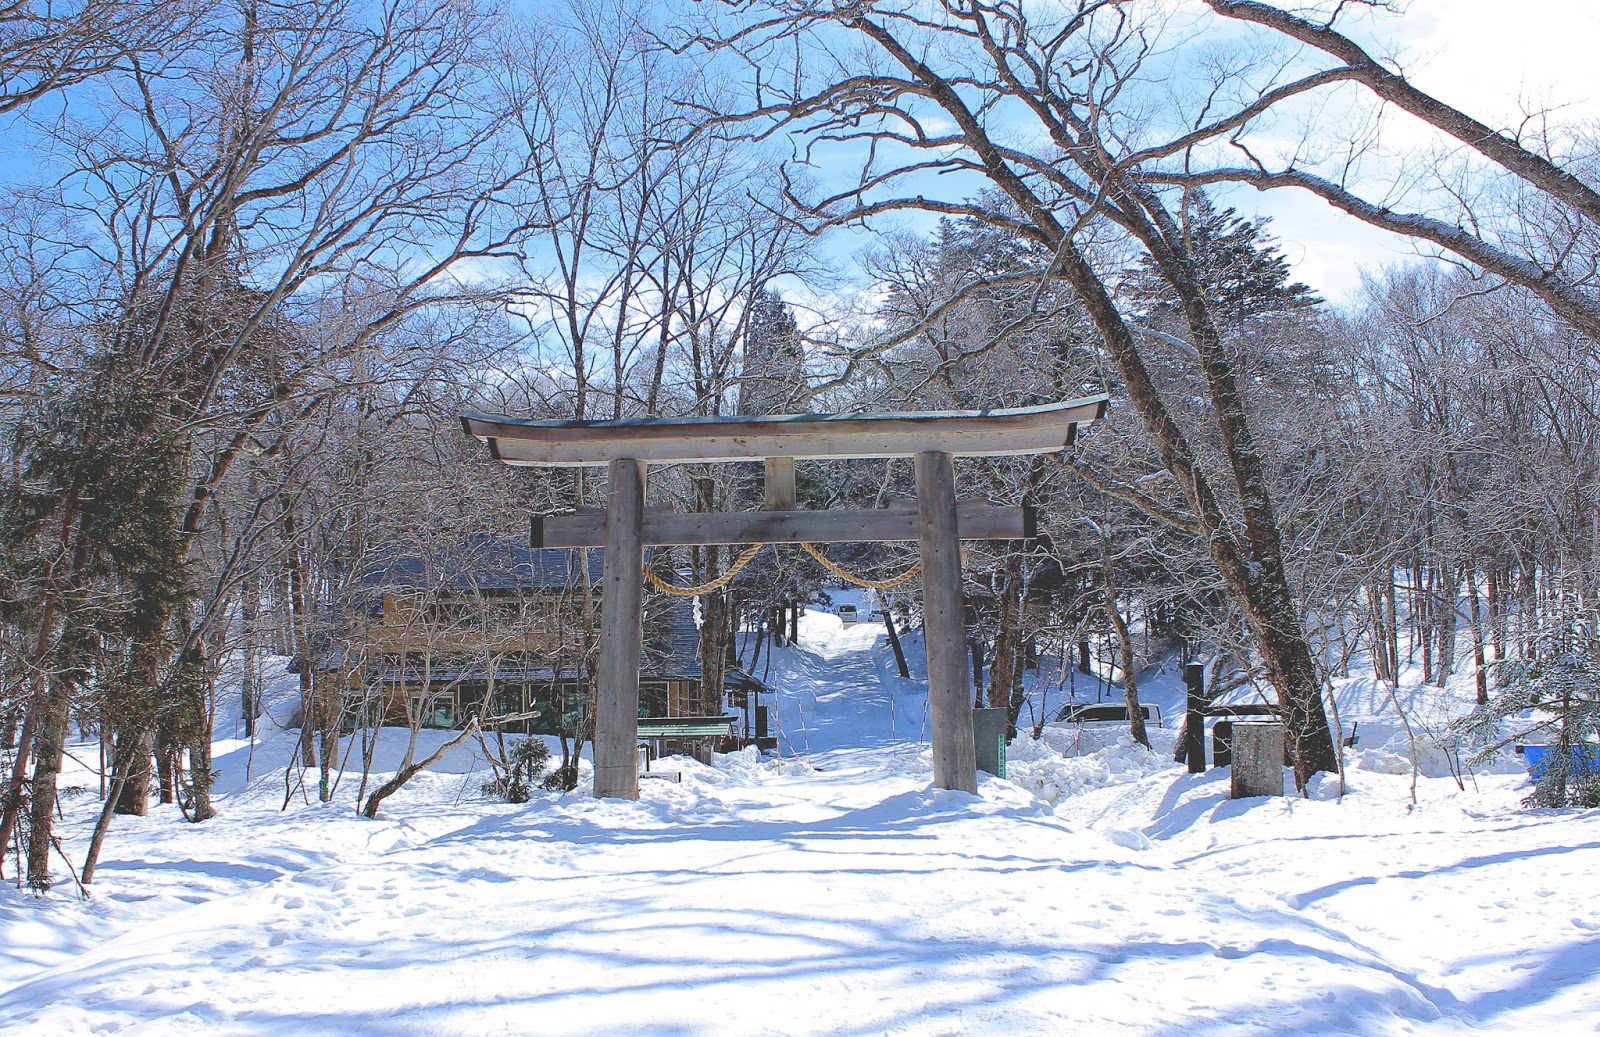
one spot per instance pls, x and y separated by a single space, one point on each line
686 727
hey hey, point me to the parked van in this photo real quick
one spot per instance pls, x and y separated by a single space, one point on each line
847 614
1101 714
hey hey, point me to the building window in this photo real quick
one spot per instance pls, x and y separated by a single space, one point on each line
678 699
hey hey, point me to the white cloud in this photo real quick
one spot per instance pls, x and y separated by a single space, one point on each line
1498 62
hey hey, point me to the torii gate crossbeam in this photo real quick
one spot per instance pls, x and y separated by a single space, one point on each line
625 447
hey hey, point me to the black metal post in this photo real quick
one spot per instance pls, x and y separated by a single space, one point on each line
1194 727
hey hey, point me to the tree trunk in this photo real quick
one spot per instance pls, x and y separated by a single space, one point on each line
133 748
33 702
250 679
1005 675
102 825
975 654
300 627
406 773
1449 592
328 720
47 749
1380 631
894 639
166 770
1424 620
1497 631
133 717
17 781
1130 668
199 691
713 652
777 624
1479 666
1392 623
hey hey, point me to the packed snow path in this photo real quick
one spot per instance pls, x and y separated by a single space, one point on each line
773 898
839 686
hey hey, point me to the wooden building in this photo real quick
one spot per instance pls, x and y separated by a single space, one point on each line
488 626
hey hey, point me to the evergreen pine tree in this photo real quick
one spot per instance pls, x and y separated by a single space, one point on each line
1553 693
772 379
1238 263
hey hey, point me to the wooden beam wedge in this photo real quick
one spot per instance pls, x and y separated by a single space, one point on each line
777 482
988 433
692 529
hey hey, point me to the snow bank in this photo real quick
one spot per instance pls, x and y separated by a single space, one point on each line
1066 762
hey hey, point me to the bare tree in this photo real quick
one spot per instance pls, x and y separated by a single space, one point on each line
265 207
48 47
1066 73
655 249
1553 257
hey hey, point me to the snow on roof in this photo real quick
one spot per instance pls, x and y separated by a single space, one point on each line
479 562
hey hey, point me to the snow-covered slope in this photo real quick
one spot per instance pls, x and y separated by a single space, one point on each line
840 687
831 893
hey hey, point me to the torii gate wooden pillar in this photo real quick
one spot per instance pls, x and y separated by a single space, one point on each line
625 527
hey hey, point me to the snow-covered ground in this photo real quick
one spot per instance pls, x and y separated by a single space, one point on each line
829 891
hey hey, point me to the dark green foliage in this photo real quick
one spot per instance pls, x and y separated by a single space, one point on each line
1552 694
562 779
1570 780
121 461
527 759
1236 262
108 463
93 532
774 361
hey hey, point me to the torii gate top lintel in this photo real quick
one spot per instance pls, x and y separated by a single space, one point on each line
625 527
980 433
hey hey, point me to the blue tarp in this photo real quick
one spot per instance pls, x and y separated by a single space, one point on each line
1585 760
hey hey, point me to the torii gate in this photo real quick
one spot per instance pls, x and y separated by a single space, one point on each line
625 528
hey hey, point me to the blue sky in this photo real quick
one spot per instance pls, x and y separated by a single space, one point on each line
1493 59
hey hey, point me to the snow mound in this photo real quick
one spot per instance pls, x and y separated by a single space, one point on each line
1436 758
1057 765
1127 838
747 767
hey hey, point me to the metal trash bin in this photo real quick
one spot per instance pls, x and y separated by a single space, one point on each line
989 732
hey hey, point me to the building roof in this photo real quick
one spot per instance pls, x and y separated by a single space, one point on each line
478 562
488 562
671 641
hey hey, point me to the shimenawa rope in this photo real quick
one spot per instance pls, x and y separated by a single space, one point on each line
861 581
658 582
739 563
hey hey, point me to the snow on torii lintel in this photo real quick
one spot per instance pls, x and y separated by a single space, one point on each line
981 433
